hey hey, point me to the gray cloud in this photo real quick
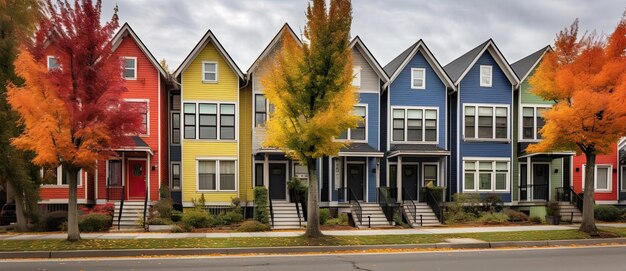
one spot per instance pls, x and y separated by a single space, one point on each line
170 29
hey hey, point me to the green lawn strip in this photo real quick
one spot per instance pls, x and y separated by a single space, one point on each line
100 244
621 232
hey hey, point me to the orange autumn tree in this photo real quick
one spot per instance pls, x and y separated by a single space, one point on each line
586 77
74 112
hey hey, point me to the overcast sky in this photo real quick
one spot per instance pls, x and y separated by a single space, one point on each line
450 28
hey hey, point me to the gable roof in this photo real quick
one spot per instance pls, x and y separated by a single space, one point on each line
208 37
268 49
395 67
126 30
370 58
458 68
524 66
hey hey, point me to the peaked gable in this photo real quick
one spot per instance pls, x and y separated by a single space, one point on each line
458 68
358 44
125 31
524 66
270 47
395 67
208 37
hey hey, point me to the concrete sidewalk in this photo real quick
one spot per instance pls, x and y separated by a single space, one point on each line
142 235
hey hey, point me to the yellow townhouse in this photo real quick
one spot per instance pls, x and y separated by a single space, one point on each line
210 82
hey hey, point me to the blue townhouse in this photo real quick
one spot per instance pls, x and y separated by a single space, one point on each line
480 121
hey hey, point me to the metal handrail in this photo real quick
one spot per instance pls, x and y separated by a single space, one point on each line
271 209
354 203
145 206
119 216
568 194
296 200
434 204
408 201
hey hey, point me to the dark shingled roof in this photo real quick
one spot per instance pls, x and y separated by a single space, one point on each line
456 68
396 62
523 66
139 142
358 147
417 147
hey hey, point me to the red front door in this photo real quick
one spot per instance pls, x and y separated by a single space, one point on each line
136 179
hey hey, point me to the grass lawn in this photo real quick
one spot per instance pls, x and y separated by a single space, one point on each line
99 244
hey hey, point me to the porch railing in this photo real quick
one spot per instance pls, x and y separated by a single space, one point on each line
435 203
354 202
567 194
119 215
535 191
271 209
145 207
385 201
409 205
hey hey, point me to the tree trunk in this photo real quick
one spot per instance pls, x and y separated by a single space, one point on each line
18 199
73 233
313 216
588 224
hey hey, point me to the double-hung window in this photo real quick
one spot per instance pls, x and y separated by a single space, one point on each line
175 121
214 121
431 174
485 175
57 176
129 68
189 120
175 184
603 178
356 76
216 175
414 125
207 116
114 173
142 107
262 110
485 76
486 122
418 78
532 122
359 132
209 71
227 121
53 63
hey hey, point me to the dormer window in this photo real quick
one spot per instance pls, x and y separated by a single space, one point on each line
209 71
53 63
356 76
485 76
418 78
129 66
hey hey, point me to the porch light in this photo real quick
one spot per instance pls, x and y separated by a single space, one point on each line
556 170
577 169
154 167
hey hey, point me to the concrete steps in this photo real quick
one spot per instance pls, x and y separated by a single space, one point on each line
131 215
372 216
569 211
428 218
286 216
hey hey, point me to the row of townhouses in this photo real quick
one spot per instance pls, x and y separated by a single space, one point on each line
464 126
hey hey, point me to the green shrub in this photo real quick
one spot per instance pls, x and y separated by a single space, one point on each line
437 192
164 192
607 213
261 211
492 204
459 217
196 218
464 208
553 208
165 207
52 221
214 220
176 216
397 218
324 216
177 229
493 218
232 217
516 216
94 222
535 219
341 220
253 226
159 221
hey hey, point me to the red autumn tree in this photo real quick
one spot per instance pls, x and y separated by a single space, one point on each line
75 112
586 77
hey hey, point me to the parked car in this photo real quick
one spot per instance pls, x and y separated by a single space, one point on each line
7 214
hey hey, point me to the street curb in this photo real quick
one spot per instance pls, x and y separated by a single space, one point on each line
292 250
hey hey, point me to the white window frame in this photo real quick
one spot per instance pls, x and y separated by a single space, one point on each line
623 177
48 62
124 58
268 106
494 171
424 164
493 138
217 161
595 178
535 108
197 124
406 130
204 72
349 132
147 102
490 75
108 162
180 174
413 70
60 178
356 76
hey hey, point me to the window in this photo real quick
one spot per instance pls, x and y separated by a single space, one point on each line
57 176
431 174
393 176
207 115
485 76
175 176
262 110
175 102
115 173
414 125
359 132
301 171
142 107
129 68
209 71
418 78
486 175
603 177
258 174
175 128
53 63
532 122
623 177
227 121
190 121
486 122
216 175
356 76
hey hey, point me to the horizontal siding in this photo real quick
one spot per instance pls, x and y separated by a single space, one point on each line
369 79
527 96
372 101
194 149
609 159
245 147
227 87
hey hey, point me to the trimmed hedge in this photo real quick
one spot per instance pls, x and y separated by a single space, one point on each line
196 218
94 222
253 226
261 211
608 213
52 221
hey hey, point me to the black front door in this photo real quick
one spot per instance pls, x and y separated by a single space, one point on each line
523 183
409 181
278 176
540 181
356 180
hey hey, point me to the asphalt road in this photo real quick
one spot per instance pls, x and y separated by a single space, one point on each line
553 259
